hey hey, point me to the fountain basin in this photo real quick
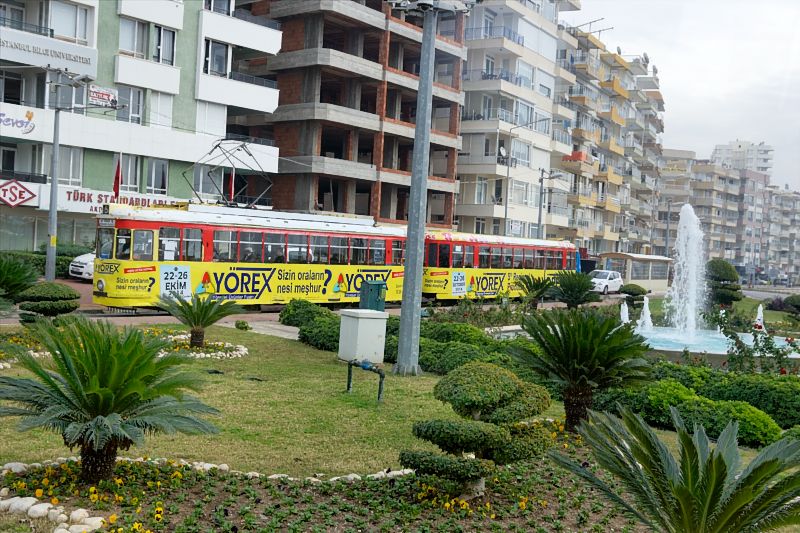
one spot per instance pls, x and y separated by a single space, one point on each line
702 340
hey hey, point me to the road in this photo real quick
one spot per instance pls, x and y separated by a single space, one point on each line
763 293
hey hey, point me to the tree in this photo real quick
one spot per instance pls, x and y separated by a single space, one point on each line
533 289
581 353
703 490
723 281
574 289
198 313
104 391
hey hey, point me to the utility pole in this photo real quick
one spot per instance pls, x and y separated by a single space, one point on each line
52 219
669 216
550 175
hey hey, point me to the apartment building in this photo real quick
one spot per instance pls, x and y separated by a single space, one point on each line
753 230
783 237
512 123
744 155
348 79
170 66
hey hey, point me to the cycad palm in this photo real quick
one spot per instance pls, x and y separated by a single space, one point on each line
582 352
703 490
104 390
533 288
198 313
574 289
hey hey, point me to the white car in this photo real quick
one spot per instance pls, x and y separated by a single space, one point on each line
82 266
606 281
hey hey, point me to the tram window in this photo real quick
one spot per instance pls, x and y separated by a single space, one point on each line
469 256
484 255
168 244
458 256
143 245
225 246
377 252
192 245
528 261
398 247
319 249
249 247
497 257
538 262
358 251
444 255
553 261
298 249
570 260
508 258
105 243
338 250
274 248
518 263
432 257
123 244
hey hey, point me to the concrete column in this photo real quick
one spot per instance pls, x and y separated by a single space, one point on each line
312 82
352 93
375 200
305 191
350 197
314 29
355 42
449 201
310 138
452 156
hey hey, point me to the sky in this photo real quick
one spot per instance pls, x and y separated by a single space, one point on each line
729 69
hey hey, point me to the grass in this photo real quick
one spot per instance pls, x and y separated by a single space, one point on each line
18 524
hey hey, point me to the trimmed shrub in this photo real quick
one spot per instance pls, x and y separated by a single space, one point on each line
460 469
723 282
756 428
776 304
455 331
50 309
792 304
37 262
658 398
441 358
610 399
299 313
48 291
778 396
527 440
459 436
322 333
15 276
476 388
69 250
694 377
534 400
791 433
632 289
242 325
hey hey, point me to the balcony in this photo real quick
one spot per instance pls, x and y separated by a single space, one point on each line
579 163
240 90
633 147
160 77
614 85
611 113
589 66
240 32
169 14
586 135
29 44
609 232
27 177
582 96
611 174
612 145
495 32
330 166
561 136
609 203
502 75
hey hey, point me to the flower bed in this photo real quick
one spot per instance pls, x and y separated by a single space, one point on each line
211 350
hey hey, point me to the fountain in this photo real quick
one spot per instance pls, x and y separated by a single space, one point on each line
623 313
760 315
686 295
645 323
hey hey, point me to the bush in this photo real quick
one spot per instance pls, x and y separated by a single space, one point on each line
694 377
792 304
776 304
459 436
441 358
658 398
455 331
298 313
68 250
322 333
48 291
450 467
477 388
15 276
778 396
632 289
723 282
792 433
242 325
610 399
527 440
50 309
393 326
390 349
533 400
37 262
574 289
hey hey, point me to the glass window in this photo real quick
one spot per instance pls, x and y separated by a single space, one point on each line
142 245
527 261
497 257
444 255
160 109
274 248
219 6
554 260
377 252
165 46
358 251
458 256
640 270
469 256
398 247
484 255
130 168
216 60
69 21
123 244
133 37
105 242
168 244
518 263
658 271
249 247
432 257
508 258
157 172
192 245
338 250
208 181
319 249
224 246
130 101
538 261
70 164
481 191
298 249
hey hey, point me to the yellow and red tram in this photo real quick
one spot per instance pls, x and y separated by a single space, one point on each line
262 256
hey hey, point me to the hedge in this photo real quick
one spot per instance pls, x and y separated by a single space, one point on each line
59 307
791 433
68 250
527 441
299 313
37 261
456 331
456 468
322 333
47 291
459 436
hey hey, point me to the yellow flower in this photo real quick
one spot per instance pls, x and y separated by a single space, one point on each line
447 506
137 526
92 490
492 516
566 445
118 481
39 493
176 475
93 497
112 519
54 500
45 482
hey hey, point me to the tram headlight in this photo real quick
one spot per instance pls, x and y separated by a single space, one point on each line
101 285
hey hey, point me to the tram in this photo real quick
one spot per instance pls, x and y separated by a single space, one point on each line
259 256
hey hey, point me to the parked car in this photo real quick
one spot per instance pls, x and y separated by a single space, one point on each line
606 281
82 266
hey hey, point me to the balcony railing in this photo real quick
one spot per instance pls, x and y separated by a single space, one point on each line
24 26
244 14
505 75
265 200
562 136
494 32
248 139
254 80
28 177
490 114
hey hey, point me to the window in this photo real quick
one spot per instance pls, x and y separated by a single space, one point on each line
14 16
69 21
358 251
377 252
484 257
219 6
497 257
458 256
216 59
130 102
444 255
160 109
143 245
495 226
338 250
157 172
480 226
133 37
208 181
249 247
319 249
70 164
469 256
130 166
123 244
431 257
298 249
165 46
70 99
481 190
518 261
192 245
398 247
224 246
508 258
168 244
497 198
105 243
274 248
10 83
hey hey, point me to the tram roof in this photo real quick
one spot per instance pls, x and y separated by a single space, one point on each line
495 239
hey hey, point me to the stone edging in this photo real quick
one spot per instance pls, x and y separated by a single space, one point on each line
79 521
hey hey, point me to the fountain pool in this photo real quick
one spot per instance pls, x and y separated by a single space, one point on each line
703 341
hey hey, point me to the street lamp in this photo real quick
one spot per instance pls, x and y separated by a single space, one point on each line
504 153
75 81
411 309
669 216
550 175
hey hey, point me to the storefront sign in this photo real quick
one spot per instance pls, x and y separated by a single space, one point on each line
13 193
102 96
81 200
23 125
33 49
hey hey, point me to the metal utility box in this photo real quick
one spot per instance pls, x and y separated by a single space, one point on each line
362 335
372 295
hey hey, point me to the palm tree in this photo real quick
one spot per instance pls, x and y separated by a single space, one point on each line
198 313
533 288
582 352
574 289
104 390
15 276
703 490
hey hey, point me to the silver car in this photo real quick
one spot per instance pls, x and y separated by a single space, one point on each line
82 266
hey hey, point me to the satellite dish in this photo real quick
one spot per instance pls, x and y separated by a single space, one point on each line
655 70
646 58
619 50
502 151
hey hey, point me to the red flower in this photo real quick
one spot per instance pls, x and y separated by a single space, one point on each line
758 326
783 371
789 340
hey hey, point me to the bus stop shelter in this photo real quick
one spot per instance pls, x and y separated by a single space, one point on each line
648 271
